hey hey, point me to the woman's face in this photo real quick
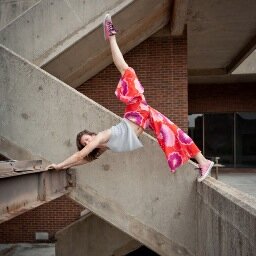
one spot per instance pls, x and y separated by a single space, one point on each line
86 138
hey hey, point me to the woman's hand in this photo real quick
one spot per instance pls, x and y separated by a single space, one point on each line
53 166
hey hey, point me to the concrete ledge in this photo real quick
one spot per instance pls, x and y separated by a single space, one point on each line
226 220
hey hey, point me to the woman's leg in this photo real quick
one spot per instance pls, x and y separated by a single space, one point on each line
205 166
116 53
199 157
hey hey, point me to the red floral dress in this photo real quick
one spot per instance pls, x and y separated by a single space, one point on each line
176 144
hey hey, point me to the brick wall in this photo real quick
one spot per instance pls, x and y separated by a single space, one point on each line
49 217
161 65
222 98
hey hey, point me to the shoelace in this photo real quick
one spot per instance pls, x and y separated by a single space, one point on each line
200 170
110 27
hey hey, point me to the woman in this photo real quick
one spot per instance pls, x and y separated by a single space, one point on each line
177 145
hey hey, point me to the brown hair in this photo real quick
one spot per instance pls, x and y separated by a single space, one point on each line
95 153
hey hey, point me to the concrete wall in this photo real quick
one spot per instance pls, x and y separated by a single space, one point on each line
51 26
92 236
134 191
9 10
226 221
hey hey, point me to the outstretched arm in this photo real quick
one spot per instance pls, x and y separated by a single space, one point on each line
78 158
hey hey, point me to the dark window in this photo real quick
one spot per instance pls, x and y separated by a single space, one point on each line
219 137
232 137
246 139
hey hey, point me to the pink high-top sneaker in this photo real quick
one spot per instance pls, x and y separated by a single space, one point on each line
108 27
205 170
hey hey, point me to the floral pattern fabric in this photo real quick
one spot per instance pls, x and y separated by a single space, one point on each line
176 144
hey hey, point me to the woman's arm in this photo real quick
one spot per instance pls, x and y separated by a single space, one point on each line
78 158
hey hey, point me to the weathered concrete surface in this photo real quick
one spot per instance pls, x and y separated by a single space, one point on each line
226 220
9 10
228 32
92 236
19 194
51 26
23 191
91 54
66 37
24 249
219 24
133 191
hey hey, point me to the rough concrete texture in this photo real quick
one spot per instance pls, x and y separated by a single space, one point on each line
26 191
66 37
134 191
84 59
10 10
23 191
227 29
27 249
226 220
92 236
51 26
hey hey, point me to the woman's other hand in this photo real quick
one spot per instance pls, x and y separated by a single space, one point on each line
53 167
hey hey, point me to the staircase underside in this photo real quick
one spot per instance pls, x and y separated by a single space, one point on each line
91 54
66 37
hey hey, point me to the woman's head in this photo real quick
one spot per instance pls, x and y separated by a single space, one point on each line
82 139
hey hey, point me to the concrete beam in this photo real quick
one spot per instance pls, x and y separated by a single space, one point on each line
27 190
50 27
179 17
66 32
85 59
92 236
242 55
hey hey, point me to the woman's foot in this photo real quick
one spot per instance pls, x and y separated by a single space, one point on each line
205 170
108 27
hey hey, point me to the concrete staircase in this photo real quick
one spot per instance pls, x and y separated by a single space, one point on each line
71 54
65 38
133 191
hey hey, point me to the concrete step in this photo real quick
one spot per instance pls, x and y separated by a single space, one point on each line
133 191
66 37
